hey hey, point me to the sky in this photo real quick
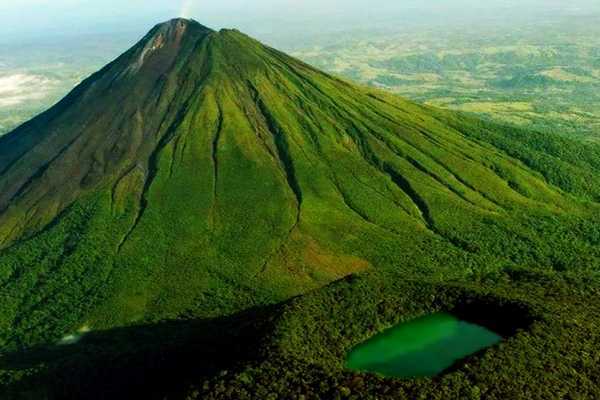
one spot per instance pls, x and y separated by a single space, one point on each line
42 18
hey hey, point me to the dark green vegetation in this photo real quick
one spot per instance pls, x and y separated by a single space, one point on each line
422 347
202 175
297 350
550 350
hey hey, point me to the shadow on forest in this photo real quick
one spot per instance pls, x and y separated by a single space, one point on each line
505 318
161 360
153 361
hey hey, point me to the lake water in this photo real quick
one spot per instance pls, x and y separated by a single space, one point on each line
422 347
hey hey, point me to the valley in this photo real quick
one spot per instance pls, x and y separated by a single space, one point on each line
544 75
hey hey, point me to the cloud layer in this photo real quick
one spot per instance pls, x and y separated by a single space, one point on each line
17 89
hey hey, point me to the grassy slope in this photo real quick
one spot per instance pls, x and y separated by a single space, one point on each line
270 179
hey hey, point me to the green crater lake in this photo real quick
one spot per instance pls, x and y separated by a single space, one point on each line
422 347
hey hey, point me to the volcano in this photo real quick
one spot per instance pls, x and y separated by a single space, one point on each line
203 173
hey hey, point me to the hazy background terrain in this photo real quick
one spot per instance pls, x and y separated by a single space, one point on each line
532 62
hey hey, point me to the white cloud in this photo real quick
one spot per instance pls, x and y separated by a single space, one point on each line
186 8
17 89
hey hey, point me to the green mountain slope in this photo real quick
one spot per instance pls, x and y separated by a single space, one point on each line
202 173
